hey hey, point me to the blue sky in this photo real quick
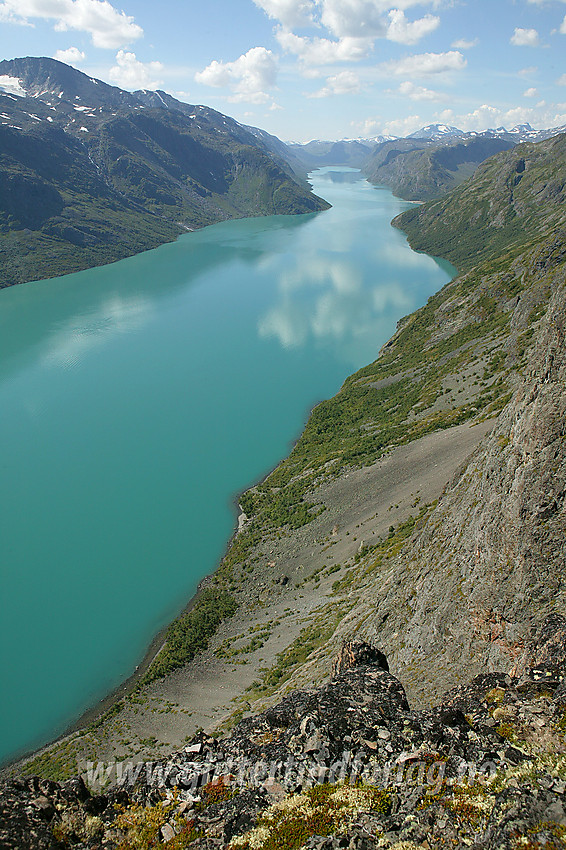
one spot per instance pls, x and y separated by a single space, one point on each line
305 69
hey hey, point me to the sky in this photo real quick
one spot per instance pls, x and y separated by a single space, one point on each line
326 69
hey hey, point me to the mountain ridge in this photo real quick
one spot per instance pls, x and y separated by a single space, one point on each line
121 172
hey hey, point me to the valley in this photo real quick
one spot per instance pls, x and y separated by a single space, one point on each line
395 587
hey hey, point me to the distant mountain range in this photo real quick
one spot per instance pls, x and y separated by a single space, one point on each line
422 169
426 164
90 173
519 133
315 154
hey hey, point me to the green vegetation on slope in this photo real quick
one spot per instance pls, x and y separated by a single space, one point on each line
413 387
190 632
513 200
75 196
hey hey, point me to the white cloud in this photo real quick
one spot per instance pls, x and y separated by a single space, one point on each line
354 18
407 32
71 56
346 82
527 72
563 26
525 37
248 77
291 13
333 301
324 51
74 340
487 116
402 126
106 26
464 43
561 81
8 15
426 64
369 127
532 92
410 90
130 73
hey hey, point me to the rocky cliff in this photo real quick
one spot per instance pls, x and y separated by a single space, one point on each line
348 765
489 564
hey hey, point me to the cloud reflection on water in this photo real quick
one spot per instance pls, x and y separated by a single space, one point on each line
73 338
324 298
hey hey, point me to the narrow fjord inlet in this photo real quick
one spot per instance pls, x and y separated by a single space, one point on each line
138 399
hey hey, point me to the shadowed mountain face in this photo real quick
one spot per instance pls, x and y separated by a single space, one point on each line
91 173
420 169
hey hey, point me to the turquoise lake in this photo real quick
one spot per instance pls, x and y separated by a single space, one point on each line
138 399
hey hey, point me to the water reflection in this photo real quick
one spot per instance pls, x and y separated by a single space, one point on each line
324 298
58 321
137 398
339 176
74 337
351 289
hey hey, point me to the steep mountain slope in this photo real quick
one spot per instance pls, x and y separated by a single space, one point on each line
460 359
91 174
281 150
347 765
419 169
512 200
487 565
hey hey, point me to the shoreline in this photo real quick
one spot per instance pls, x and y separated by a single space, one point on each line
388 486
272 594
127 686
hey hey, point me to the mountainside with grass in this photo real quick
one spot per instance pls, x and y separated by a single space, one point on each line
513 202
91 174
419 169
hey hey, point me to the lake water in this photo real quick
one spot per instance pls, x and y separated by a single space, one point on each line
138 399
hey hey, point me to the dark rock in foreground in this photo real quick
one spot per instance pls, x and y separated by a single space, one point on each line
346 765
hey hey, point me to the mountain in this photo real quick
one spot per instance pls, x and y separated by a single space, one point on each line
513 200
349 764
393 602
315 154
436 132
426 164
281 150
420 169
92 173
